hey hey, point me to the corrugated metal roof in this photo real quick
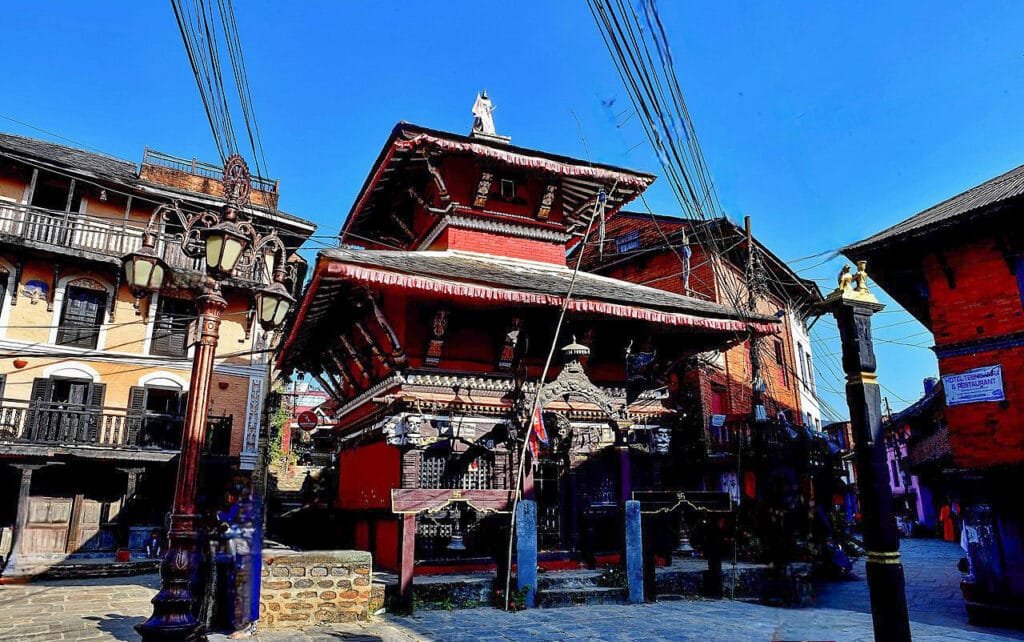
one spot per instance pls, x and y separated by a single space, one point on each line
988 195
70 157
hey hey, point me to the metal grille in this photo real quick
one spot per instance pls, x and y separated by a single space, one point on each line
437 471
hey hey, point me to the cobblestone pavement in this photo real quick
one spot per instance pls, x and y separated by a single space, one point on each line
106 610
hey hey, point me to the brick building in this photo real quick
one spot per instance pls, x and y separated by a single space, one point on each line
636 250
94 380
670 253
958 267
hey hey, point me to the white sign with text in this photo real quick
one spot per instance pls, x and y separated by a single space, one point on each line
974 386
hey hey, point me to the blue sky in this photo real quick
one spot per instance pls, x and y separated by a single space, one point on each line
823 121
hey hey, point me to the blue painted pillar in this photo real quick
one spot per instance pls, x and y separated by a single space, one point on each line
526 549
634 553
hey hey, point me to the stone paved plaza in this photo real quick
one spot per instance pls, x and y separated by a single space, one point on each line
107 609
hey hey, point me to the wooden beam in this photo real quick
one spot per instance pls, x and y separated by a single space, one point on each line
30 192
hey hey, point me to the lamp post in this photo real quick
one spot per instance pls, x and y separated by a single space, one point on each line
223 241
853 305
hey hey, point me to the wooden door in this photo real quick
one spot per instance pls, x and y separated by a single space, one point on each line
89 534
47 528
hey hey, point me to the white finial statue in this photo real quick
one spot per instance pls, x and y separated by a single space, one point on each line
483 120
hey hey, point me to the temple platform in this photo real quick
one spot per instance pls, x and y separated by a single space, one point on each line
682 579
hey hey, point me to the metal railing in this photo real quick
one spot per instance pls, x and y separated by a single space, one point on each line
81 232
199 168
66 424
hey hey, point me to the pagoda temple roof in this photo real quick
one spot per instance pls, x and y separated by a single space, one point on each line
467 276
400 164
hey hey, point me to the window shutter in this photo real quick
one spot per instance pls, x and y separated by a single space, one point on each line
42 390
95 415
3 384
82 317
170 327
136 410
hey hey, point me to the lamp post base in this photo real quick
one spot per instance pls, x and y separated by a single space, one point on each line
173 618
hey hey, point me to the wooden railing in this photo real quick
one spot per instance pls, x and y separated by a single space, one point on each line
65 424
81 232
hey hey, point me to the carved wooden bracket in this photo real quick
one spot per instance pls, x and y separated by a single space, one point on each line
398 356
436 345
338 376
483 188
435 173
546 202
376 356
356 365
402 226
508 348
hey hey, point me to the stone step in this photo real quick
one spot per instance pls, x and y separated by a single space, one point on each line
585 596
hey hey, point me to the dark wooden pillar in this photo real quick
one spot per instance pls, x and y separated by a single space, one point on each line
406 559
853 308
21 519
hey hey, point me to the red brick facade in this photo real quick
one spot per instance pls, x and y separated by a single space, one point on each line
973 295
725 384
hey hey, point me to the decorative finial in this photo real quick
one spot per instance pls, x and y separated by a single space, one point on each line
483 119
574 351
861 277
845 278
853 287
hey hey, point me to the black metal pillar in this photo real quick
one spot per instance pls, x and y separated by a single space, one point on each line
852 305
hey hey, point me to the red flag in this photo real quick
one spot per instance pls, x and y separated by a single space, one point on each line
538 425
538 434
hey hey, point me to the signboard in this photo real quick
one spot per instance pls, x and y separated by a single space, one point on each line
307 420
974 386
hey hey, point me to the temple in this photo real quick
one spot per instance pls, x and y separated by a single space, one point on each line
430 326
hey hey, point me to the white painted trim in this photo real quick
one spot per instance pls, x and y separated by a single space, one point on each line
58 306
162 379
502 227
5 304
71 370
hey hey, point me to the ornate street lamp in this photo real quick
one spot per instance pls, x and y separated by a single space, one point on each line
144 268
273 302
226 244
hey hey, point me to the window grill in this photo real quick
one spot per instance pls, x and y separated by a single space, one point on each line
628 242
438 471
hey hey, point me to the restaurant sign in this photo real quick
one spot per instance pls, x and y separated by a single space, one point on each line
974 386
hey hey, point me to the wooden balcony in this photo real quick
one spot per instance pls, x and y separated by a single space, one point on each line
97 238
33 423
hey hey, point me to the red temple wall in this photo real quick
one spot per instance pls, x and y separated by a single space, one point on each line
501 245
462 175
984 303
367 475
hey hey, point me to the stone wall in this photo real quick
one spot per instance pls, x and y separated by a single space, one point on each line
305 588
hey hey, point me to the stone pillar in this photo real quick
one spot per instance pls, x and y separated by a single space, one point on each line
853 308
634 552
526 549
